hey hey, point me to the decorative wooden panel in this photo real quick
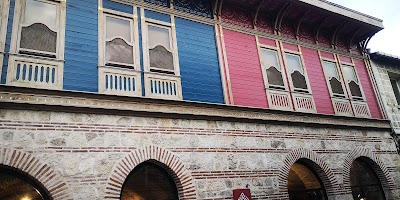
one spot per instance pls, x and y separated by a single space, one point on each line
119 82
28 72
279 100
162 86
199 7
304 103
361 109
342 107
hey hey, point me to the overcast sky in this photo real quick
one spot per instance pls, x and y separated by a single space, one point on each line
388 39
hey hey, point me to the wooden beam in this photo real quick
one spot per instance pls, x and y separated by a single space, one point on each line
279 17
299 23
318 28
336 33
257 12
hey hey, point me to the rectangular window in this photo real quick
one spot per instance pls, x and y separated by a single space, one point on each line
296 72
37 48
39 28
119 41
119 59
160 48
160 54
396 89
278 94
345 89
272 68
335 82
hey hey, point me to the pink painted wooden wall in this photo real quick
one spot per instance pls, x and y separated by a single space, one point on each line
244 69
367 88
317 81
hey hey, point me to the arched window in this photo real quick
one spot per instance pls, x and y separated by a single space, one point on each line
304 184
149 181
17 185
365 184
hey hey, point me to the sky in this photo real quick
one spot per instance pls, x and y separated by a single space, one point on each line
388 39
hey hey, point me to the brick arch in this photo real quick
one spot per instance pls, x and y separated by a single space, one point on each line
157 155
39 170
377 165
312 160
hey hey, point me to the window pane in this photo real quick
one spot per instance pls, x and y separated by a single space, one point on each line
269 59
348 73
118 50
330 70
40 12
293 63
158 37
118 28
396 90
38 37
160 53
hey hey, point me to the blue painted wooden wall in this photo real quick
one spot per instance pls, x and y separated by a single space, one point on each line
81 48
7 43
117 6
198 61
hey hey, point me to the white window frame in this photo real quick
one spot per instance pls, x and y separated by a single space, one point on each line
173 44
19 15
103 13
292 88
353 98
341 79
269 86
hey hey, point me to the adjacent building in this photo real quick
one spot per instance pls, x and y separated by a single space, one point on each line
179 99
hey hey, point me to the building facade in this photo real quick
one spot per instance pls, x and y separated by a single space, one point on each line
386 71
160 99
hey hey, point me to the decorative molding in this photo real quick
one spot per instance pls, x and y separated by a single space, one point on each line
250 31
312 160
45 174
22 98
164 158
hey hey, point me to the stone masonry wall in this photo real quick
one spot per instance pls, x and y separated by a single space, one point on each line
386 91
88 152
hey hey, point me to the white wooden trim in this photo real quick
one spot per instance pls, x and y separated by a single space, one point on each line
226 66
148 77
123 90
221 64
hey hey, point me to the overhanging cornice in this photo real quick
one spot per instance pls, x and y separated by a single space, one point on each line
68 101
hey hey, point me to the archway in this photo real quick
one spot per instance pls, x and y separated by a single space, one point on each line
18 185
304 183
149 180
364 181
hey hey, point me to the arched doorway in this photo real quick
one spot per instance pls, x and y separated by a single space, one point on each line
304 183
364 182
149 181
17 185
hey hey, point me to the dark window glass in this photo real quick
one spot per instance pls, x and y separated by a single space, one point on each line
364 182
149 181
304 184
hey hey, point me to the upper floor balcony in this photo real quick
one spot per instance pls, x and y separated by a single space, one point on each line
303 56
